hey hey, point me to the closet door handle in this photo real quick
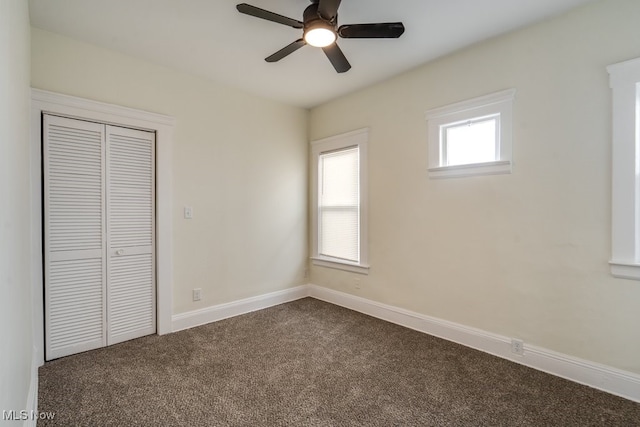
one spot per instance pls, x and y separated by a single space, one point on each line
120 252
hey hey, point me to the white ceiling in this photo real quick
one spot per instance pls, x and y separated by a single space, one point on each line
210 38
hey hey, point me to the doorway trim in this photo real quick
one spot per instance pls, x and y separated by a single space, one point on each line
50 102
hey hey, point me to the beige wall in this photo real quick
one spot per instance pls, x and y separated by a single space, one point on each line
522 255
16 349
238 160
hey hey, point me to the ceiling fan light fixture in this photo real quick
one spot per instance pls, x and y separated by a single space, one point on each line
319 36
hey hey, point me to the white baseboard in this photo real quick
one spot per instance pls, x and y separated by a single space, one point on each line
605 378
223 311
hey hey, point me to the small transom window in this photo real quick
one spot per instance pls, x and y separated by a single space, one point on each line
471 137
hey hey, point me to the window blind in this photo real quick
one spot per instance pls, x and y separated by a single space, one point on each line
339 204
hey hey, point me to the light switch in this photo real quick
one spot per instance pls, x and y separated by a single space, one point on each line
188 212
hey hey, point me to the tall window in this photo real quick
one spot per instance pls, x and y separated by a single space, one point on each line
624 79
339 204
339 211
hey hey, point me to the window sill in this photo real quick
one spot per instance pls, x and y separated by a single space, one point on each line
625 270
488 168
341 265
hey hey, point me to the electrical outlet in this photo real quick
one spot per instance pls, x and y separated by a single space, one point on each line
517 347
197 294
356 283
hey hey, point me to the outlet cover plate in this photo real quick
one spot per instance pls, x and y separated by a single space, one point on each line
517 346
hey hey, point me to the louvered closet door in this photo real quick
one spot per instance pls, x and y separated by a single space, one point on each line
75 273
99 200
131 301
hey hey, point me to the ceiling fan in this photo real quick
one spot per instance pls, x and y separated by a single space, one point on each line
320 29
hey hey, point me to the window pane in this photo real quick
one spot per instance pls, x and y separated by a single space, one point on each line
470 142
339 233
339 204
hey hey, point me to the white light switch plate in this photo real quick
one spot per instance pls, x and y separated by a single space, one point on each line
188 212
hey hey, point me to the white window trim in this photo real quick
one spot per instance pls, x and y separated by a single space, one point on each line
358 138
498 102
624 79
50 102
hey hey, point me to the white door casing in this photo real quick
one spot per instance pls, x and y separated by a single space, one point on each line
50 102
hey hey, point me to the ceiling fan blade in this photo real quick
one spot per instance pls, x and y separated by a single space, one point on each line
387 30
287 50
337 58
328 9
247 9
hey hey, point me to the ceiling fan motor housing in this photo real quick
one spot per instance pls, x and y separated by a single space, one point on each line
312 19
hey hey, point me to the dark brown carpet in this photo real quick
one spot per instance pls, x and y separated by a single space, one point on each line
309 363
